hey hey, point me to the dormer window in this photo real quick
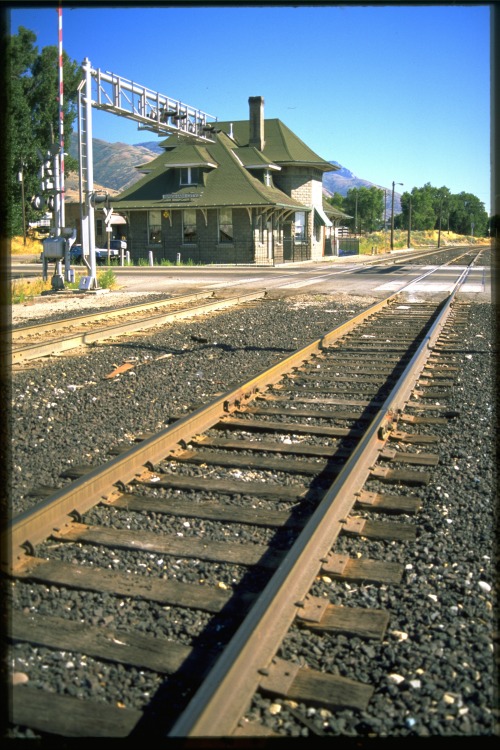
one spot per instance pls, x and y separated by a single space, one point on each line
189 175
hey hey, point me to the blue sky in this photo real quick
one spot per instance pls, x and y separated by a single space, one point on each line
393 93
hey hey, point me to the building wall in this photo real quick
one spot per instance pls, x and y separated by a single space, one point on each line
305 185
138 234
206 249
249 246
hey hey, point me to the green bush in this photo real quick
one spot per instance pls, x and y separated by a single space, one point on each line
106 279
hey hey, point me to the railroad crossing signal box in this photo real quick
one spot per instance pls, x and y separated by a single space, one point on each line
54 248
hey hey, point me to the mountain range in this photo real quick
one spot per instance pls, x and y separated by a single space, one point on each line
115 170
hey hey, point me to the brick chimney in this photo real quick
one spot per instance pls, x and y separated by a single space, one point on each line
256 139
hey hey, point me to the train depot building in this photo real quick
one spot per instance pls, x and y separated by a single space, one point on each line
252 195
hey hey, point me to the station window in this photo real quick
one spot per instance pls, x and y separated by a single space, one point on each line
154 227
300 226
189 175
189 226
226 225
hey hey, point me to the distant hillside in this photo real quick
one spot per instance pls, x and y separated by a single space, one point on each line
344 180
153 146
114 165
114 170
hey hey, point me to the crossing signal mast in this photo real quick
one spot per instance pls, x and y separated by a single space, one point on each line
151 110
112 93
57 246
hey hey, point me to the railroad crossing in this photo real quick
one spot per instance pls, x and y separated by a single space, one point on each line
152 111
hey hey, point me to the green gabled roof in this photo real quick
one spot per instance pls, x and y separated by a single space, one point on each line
157 181
281 145
251 157
229 185
188 155
184 155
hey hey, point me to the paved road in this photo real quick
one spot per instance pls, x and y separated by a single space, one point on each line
359 275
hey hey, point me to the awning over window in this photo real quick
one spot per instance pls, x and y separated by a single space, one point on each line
321 218
117 219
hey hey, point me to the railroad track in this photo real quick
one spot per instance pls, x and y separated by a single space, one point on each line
57 336
456 255
45 339
329 442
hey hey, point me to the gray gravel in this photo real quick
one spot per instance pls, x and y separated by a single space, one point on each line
434 673
66 412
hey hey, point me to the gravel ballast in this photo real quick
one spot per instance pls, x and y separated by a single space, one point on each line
434 673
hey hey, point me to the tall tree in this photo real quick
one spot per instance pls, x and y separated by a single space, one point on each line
366 206
20 147
460 213
423 215
441 202
33 117
337 201
468 215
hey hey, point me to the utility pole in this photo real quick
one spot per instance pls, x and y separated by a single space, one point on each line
409 224
392 213
20 178
385 219
440 214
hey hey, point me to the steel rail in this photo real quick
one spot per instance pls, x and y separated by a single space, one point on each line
66 343
418 254
56 346
226 692
36 524
33 526
113 312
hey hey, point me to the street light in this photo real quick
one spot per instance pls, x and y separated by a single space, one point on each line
392 214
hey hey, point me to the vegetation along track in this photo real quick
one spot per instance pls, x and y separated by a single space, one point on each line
308 442
57 336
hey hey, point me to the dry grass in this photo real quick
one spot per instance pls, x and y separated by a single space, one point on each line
22 290
380 241
33 246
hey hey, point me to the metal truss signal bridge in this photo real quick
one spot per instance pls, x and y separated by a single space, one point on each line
149 109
